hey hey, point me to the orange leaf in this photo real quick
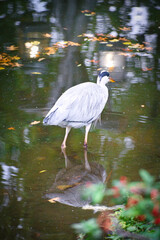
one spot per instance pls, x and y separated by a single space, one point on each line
11 128
125 29
47 35
40 59
146 69
123 39
12 48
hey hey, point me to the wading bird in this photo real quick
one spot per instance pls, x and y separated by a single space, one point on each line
80 106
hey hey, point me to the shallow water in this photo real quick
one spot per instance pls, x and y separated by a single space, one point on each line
32 167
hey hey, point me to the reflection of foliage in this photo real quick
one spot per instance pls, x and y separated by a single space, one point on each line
141 213
89 228
97 192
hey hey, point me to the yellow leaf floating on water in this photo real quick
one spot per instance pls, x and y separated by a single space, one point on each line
114 40
127 43
54 200
109 45
42 171
64 187
1 68
36 73
35 122
15 58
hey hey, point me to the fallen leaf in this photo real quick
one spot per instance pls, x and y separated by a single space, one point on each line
94 61
16 64
88 13
127 43
15 58
42 171
109 45
47 35
142 106
73 43
36 73
35 122
149 48
11 128
137 45
123 39
51 50
64 187
123 54
114 40
40 59
53 200
146 69
125 28
1 68
12 48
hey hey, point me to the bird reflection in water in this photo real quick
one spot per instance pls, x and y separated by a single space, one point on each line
69 181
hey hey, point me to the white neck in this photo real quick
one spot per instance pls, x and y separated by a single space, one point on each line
103 81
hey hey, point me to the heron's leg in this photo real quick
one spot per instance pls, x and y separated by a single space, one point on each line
65 137
87 166
86 135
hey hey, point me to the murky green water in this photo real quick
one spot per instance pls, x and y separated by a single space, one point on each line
32 166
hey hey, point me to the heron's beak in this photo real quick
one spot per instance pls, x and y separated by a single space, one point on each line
111 79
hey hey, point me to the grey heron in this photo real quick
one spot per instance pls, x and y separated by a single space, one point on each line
79 106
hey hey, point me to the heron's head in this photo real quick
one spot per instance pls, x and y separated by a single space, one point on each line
103 78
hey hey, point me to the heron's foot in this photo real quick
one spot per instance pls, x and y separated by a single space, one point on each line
85 145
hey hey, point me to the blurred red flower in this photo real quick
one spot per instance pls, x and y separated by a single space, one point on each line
154 194
123 180
131 202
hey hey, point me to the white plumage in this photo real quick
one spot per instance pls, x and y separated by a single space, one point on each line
79 106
